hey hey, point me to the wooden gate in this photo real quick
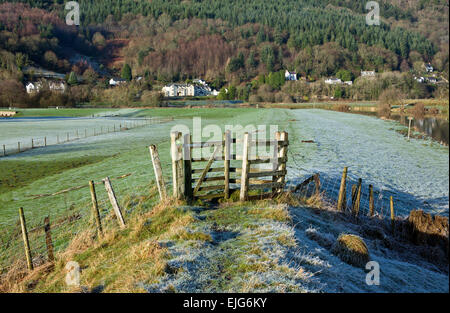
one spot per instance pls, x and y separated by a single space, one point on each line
223 171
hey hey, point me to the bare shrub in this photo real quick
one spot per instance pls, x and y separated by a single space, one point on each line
388 98
254 99
152 98
419 110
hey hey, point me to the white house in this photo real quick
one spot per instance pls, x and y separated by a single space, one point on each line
349 82
368 73
429 68
56 86
32 87
290 75
186 90
117 81
333 81
420 79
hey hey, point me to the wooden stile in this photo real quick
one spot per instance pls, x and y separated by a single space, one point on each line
114 203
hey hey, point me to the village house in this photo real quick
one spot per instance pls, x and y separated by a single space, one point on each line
420 79
368 73
117 81
431 80
429 68
186 90
32 87
333 81
55 86
290 75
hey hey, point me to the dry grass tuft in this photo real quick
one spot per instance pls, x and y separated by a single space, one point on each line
352 250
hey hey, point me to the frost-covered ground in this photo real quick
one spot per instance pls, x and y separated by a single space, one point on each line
256 252
399 272
415 173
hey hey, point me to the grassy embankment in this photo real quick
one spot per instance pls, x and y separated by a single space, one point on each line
138 259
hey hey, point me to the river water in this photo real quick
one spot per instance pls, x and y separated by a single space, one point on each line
436 128
415 172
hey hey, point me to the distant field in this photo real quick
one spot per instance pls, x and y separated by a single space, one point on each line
61 112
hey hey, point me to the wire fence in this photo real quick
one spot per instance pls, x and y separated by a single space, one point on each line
330 182
70 215
69 136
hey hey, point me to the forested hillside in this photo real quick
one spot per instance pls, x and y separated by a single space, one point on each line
229 42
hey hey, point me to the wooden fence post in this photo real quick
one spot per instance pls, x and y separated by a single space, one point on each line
45 141
32 143
317 184
354 191
18 146
356 206
95 211
243 196
4 150
114 203
227 137
392 213
283 155
188 195
342 190
57 139
371 201
176 162
26 243
158 172
67 135
275 166
48 239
